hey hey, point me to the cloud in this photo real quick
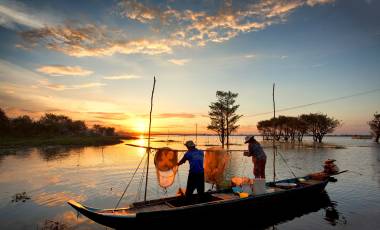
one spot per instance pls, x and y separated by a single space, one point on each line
316 2
59 87
176 115
122 77
60 70
171 27
109 116
83 40
14 14
179 61
210 25
250 56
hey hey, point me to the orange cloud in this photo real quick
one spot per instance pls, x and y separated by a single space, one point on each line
110 116
60 70
176 115
59 87
80 40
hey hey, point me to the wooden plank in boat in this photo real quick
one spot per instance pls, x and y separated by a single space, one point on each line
226 196
151 208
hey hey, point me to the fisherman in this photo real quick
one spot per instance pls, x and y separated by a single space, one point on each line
195 179
259 157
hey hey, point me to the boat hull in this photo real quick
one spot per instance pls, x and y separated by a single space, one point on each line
260 208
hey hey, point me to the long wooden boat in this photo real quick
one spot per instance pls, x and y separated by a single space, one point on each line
217 206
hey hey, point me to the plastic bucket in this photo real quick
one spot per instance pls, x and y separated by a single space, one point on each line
258 186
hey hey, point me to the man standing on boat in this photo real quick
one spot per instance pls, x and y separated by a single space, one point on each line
195 180
259 158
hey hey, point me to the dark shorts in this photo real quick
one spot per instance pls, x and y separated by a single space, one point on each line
259 167
195 181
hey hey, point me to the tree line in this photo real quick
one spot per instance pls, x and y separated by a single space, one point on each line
224 118
48 125
288 128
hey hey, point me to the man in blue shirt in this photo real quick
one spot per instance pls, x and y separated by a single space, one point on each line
196 176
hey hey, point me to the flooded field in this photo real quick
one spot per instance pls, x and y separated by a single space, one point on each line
36 183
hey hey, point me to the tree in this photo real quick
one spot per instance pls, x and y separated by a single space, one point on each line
223 115
319 125
22 126
375 126
301 129
4 123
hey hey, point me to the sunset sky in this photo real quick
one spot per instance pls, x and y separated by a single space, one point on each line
95 60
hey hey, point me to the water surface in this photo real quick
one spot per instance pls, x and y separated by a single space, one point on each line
97 177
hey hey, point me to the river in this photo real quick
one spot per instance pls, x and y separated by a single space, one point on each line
97 176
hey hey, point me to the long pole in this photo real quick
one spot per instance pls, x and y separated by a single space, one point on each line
196 133
148 149
274 134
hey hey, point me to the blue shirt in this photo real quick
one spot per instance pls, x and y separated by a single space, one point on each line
256 151
195 158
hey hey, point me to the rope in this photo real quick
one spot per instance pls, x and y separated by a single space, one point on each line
244 163
178 177
129 183
286 163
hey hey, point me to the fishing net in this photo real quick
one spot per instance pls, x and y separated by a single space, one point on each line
165 161
215 162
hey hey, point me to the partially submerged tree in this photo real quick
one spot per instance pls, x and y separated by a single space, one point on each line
289 128
319 125
375 126
223 115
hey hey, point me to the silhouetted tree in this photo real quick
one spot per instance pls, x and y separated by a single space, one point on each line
103 131
375 126
54 124
265 128
48 125
319 125
223 115
4 124
301 129
22 126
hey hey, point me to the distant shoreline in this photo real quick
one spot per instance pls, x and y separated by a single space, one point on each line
14 142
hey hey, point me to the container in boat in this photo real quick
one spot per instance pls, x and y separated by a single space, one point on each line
258 186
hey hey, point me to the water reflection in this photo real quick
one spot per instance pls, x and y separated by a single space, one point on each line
333 216
58 152
286 211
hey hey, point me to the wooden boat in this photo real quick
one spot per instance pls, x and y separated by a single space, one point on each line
224 205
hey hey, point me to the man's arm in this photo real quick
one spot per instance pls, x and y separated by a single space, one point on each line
183 160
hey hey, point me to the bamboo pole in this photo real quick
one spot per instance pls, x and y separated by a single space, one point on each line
196 133
274 133
148 149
